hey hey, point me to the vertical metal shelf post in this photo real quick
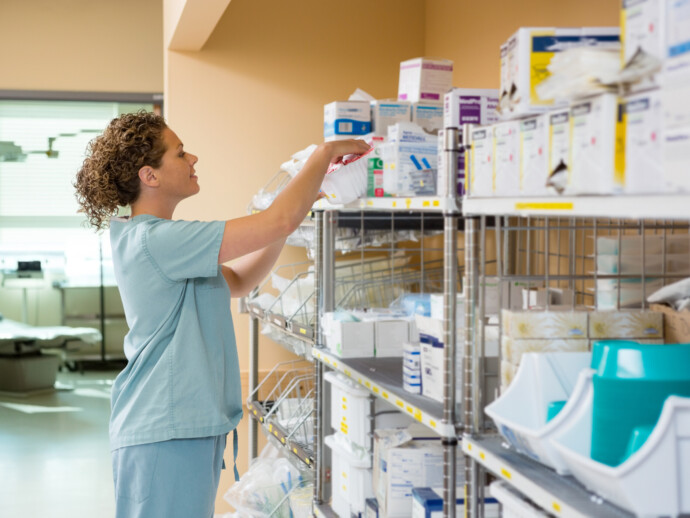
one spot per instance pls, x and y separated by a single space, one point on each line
451 150
324 274
470 392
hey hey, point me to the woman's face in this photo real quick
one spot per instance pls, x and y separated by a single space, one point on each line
176 172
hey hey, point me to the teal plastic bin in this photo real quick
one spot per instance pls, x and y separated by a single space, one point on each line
630 386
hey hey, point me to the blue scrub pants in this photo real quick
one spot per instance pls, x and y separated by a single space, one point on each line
170 479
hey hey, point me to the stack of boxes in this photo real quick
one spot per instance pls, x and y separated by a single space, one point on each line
570 331
366 334
636 144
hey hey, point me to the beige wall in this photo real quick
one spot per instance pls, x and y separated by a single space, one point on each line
82 45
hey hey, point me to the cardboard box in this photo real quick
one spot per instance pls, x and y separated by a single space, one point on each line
481 170
508 371
375 175
676 149
560 140
544 324
626 324
402 161
411 133
385 113
525 58
401 464
469 106
349 339
534 155
424 79
428 115
443 188
507 158
372 508
598 147
676 324
644 126
428 503
677 45
346 119
28 373
642 28
514 348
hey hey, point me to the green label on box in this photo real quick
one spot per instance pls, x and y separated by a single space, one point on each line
375 178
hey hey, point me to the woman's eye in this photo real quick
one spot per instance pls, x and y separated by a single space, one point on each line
182 154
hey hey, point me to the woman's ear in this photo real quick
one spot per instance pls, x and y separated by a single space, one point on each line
148 176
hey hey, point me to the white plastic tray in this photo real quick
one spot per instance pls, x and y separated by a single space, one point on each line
654 481
520 413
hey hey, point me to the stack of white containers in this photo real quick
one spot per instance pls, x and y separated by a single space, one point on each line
354 416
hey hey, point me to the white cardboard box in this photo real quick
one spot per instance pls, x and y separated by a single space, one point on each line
482 171
507 158
676 150
401 160
401 466
428 115
527 54
469 106
560 139
677 45
385 113
424 79
349 339
534 154
644 171
346 119
642 24
598 150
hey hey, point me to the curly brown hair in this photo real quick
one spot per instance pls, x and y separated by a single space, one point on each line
109 176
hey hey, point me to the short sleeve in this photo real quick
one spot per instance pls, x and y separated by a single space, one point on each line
184 249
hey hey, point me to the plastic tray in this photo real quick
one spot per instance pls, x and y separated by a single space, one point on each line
521 412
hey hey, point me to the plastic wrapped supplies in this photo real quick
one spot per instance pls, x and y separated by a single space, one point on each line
346 180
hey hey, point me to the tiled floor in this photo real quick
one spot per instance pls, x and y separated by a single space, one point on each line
54 454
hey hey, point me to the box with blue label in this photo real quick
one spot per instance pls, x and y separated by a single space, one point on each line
428 116
428 503
404 165
346 119
385 113
403 460
677 42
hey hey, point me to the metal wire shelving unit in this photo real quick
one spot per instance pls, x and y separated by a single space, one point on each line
556 243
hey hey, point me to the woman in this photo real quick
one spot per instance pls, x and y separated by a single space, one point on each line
180 394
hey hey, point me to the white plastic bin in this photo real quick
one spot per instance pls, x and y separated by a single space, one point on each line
521 412
654 481
351 477
350 408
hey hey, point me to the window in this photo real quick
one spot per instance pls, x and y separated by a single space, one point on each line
42 145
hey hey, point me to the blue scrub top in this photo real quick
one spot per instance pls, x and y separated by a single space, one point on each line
182 379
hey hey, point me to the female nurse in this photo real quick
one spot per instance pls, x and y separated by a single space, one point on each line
179 395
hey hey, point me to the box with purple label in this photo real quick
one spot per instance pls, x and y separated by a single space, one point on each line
470 106
424 79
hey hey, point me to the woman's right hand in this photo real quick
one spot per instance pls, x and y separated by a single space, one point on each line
337 149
